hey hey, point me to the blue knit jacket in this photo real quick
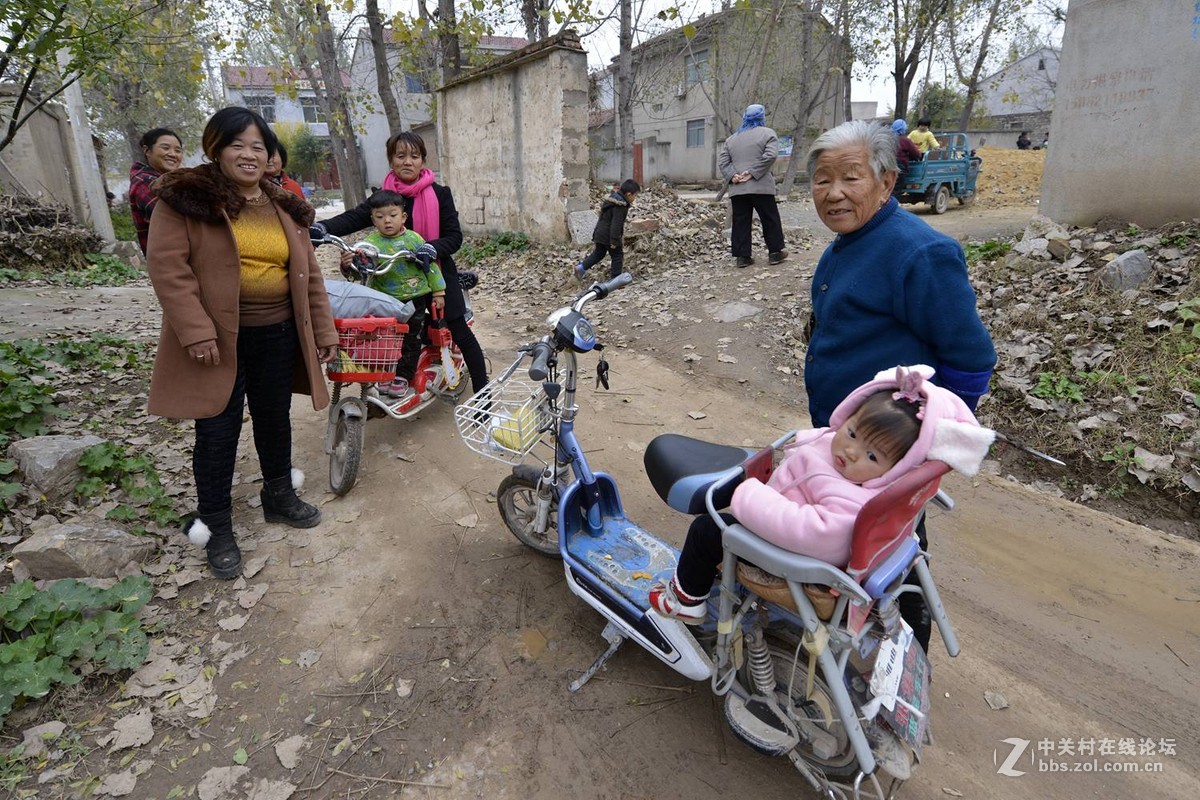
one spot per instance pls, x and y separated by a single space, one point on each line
893 292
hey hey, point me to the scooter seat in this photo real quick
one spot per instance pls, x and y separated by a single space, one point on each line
682 468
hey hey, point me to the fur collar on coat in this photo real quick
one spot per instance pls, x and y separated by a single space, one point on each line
204 193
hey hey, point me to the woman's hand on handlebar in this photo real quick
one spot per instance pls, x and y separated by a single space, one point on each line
439 301
347 263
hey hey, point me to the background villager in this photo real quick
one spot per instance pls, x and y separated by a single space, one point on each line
609 233
745 161
276 171
888 290
245 318
906 153
163 151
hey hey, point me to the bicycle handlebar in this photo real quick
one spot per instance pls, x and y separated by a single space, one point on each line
368 261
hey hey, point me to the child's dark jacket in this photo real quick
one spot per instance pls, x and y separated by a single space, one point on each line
610 230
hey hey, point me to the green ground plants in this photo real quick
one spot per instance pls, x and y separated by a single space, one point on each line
48 636
101 270
27 377
108 467
476 250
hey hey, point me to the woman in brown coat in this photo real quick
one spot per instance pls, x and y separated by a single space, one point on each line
245 318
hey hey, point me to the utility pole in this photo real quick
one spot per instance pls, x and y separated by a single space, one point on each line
86 179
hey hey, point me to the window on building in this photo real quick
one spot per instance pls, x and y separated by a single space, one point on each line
1041 63
264 104
312 110
696 68
695 133
413 84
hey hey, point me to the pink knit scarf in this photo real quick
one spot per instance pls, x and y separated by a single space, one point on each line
427 217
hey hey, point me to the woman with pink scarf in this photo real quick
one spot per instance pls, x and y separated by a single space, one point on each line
431 213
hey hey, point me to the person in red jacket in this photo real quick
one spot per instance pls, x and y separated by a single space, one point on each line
276 165
906 153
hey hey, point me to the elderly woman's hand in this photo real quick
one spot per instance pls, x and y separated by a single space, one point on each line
205 353
326 354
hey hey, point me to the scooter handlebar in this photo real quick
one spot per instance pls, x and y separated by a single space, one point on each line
540 368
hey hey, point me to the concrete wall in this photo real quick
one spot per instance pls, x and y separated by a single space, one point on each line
1124 138
38 162
512 140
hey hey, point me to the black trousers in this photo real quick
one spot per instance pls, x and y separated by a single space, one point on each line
912 604
469 346
744 208
701 555
599 252
266 359
414 340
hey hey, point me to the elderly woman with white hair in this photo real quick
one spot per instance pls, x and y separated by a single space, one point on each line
889 289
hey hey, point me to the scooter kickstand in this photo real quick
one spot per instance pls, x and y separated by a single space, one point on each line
615 639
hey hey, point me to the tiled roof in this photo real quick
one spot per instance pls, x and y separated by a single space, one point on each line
245 75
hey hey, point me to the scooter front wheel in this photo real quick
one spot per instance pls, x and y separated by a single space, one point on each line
517 498
345 455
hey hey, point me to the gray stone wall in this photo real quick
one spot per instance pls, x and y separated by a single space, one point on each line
512 140
37 163
1125 137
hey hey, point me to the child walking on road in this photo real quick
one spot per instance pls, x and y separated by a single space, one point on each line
419 280
609 234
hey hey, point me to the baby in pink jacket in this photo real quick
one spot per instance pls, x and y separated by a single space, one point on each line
809 505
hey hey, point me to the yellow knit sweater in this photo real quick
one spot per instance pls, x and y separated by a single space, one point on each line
263 248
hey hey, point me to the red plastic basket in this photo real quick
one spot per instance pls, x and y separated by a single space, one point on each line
368 349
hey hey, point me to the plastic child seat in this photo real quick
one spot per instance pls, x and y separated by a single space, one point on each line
887 520
882 541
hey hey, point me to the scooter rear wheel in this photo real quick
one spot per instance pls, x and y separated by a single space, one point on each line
346 454
820 708
516 497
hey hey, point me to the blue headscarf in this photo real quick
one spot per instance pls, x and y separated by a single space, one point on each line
900 127
755 116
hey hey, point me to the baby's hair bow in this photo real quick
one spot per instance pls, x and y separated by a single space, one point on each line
909 389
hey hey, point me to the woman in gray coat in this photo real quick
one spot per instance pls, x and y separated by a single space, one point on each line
746 161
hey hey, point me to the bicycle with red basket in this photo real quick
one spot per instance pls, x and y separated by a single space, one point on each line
368 349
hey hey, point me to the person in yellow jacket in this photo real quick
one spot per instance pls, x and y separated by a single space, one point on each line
922 137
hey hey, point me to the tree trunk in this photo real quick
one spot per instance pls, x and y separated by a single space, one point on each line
383 76
341 130
625 88
772 21
803 104
448 39
972 82
529 17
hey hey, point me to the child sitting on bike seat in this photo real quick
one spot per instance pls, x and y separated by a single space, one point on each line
418 280
809 505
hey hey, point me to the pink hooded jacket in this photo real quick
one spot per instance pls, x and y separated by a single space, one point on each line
809 508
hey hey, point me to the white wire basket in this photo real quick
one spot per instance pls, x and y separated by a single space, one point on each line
505 420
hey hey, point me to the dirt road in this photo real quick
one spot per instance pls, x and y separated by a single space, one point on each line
1083 622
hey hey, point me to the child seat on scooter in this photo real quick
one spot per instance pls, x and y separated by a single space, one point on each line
882 547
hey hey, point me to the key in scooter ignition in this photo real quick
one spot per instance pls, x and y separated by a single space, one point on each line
601 373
